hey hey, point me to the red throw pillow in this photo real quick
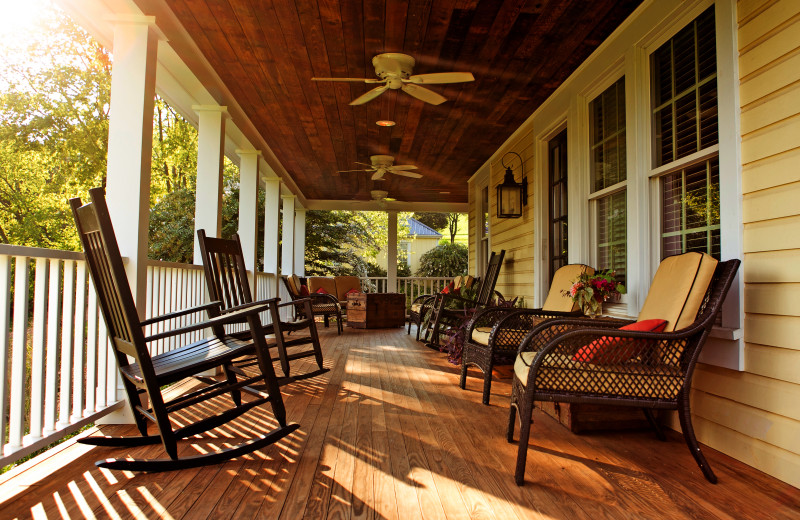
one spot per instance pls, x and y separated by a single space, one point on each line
321 290
606 350
352 291
451 287
304 290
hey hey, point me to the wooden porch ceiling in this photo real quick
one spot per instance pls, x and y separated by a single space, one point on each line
387 433
266 52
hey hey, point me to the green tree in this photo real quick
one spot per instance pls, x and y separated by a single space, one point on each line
444 260
53 130
440 221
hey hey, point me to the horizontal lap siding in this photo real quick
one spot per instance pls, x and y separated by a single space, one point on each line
754 415
514 235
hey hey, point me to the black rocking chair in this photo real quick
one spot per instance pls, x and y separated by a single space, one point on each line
146 376
226 279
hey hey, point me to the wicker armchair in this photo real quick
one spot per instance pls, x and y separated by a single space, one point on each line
564 360
423 303
443 317
495 334
325 305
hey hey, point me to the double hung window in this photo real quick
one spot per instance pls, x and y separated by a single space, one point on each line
686 138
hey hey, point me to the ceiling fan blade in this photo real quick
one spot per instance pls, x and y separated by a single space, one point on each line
358 80
441 77
402 167
423 94
378 175
349 171
371 167
369 95
413 175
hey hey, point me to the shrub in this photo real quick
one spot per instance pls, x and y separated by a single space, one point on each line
444 260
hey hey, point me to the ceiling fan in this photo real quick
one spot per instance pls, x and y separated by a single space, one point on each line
381 196
383 164
394 70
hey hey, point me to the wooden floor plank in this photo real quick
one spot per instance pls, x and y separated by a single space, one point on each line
388 434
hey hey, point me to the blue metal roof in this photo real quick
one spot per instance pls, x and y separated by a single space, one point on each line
415 227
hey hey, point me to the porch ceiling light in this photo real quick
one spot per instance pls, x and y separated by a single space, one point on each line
511 196
385 122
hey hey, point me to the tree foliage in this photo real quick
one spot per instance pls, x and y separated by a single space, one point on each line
444 260
440 221
53 130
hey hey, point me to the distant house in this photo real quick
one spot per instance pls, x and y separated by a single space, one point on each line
410 248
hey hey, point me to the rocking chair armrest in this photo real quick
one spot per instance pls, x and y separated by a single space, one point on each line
182 312
260 303
232 316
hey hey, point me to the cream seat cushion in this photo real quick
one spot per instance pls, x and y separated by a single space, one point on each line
562 281
344 284
480 336
322 282
678 289
634 380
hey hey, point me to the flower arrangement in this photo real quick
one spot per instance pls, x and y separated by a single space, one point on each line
591 290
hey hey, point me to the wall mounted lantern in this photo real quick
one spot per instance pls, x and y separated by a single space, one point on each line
511 196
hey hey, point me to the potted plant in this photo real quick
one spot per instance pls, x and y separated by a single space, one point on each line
591 290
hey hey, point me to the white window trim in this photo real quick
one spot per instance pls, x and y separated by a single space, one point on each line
628 51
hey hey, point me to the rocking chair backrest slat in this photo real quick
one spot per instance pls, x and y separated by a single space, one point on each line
105 266
486 289
225 270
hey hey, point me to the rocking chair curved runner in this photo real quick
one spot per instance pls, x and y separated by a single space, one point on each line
145 377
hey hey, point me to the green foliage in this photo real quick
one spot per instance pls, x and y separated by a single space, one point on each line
53 131
444 260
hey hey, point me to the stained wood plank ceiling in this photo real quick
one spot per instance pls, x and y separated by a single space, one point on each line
266 53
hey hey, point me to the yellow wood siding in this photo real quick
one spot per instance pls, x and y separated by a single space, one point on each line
754 415
514 235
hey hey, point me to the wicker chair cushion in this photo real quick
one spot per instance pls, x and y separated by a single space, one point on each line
480 336
345 284
678 289
293 288
625 380
467 281
456 283
562 281
316 283
605 350
417 307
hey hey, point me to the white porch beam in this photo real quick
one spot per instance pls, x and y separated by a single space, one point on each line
287 237
272 211
130 143
300 241
210 154
391 252
248 206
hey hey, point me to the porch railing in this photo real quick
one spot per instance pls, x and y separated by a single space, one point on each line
57 370
411 286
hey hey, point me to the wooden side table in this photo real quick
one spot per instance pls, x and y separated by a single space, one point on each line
376 310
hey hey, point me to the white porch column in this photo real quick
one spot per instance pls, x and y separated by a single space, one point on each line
208 199
272 211
300 242
130 144
391 252
130 147
248 206
287 237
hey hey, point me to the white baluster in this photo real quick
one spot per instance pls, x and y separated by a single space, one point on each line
53 317
91 349
18 354
38 350
5 309
67 317
77 358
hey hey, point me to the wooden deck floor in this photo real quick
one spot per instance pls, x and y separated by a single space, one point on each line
387 433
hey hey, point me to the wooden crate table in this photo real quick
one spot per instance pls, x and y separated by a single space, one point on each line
376 310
